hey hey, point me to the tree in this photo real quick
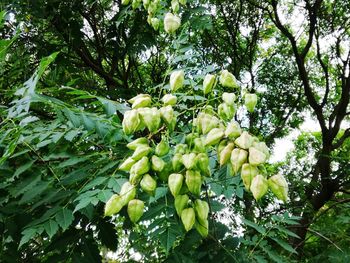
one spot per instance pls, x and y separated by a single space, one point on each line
61 139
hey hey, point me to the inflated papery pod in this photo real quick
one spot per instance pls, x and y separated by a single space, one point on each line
155 159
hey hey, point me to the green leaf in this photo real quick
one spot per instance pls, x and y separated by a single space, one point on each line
64 218
168 236
95 182
104 195
51 227
258 228
284 245
286 231
23 168
28 234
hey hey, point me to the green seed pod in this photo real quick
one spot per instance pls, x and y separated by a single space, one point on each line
256 157
202 210
135 210
189 160
140 167
172 124
167 114
177 162
142 102
190 138
229 111
130 122
127 192
220 147
208 123
125 2
226 112
141 151
208 83
127 164
229 98
175 183
155 23
148 184
169 99
181 148
202 228
194 182
152 8
228 80
162 148
177 80
188 218
181 202
244 141
233 130
134 178
145 3
214 136
157 164
250 101
261 146
238 158
248 172
202 161
175 6
279 187
198 145
259 186
151 118
135 4
164 174
136 143
139 96
113 205
225 154
171 24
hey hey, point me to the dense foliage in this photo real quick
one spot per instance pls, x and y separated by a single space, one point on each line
67 72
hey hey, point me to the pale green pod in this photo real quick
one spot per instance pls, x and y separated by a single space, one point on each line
279 186
169 99
148 184
127 192
136 143
244 141
238 158
225 154
171 24
135 210
175 183
256 157
188 218
248 172
194 182
214 136
127 164
189 160
227 79
208 83
177 80
233 130
181 202
130 122
141 151
250 101
113 205
259 186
